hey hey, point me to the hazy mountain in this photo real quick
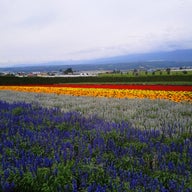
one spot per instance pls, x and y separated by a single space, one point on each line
183 55
177 58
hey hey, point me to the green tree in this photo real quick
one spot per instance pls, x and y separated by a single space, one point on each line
184 72
168 70
68 70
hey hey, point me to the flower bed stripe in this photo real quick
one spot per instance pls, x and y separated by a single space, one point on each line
177 96
48 150
123 86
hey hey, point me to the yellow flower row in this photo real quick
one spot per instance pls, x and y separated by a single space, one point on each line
177 96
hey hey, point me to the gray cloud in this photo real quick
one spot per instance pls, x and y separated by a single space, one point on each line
69 29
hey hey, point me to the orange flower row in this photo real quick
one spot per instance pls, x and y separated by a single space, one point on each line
177 96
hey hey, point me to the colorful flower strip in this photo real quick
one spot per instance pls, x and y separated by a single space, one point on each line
123 86
126 86
177 96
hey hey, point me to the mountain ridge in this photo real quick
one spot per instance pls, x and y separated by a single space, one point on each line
163 59
176 55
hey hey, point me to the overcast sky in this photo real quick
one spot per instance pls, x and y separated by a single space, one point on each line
48 30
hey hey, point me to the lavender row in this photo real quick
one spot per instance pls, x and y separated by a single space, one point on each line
50 150
142 113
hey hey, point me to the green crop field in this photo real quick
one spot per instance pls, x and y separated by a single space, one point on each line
146 73
128 78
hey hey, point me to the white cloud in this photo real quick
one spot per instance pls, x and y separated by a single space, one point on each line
69 29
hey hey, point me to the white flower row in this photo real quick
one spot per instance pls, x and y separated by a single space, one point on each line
141 113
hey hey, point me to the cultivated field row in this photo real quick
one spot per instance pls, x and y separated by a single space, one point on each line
141 113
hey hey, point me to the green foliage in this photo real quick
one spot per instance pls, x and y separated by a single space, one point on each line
96 79
17 111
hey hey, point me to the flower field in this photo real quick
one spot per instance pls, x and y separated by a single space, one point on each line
174 93
101 142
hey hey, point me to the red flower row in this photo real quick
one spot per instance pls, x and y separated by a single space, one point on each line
124 86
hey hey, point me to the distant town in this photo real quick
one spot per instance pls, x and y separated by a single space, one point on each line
61 73
69 72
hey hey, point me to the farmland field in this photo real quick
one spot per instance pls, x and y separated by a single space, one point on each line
59 142
107 78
